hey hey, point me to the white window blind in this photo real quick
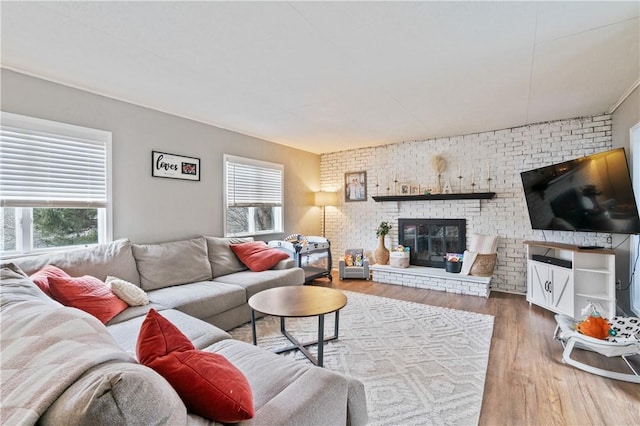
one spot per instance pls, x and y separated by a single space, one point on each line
253 183
49 164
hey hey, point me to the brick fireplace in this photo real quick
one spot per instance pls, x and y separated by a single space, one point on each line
430 240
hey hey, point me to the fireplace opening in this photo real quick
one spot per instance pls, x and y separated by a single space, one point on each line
431 239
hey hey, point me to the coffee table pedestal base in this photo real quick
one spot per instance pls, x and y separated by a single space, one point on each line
300 345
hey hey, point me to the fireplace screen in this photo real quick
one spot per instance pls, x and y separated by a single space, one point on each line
431 239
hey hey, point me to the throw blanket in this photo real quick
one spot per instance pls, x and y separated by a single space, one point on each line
44 349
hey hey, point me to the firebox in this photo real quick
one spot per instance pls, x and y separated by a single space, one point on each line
431 239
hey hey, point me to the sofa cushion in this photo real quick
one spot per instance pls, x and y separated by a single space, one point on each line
258 256
223 260
287 391
207 382
202 299
134 312
167 264
254 282
129 292
89 294
114 258
118 394
41 278
200 333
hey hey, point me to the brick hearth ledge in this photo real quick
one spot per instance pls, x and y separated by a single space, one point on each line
432 279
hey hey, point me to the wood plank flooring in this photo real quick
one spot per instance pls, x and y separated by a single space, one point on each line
527 383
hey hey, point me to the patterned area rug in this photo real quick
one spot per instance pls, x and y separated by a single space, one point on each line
420 364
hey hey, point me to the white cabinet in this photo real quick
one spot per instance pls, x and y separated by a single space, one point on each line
585 276
551 286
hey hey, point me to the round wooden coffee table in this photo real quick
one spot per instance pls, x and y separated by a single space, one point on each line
296 302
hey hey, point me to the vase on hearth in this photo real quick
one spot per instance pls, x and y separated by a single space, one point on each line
381 253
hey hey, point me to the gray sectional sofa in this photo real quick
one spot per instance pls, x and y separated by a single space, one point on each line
87 372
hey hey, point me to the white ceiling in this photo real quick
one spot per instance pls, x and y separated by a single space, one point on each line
329 76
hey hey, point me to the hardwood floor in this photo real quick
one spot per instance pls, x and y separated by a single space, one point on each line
527 383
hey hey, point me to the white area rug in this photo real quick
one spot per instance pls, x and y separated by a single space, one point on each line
420 364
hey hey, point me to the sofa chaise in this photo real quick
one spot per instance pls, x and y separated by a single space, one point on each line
62 365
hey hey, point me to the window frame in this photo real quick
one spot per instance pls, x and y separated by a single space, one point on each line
24 210
277 210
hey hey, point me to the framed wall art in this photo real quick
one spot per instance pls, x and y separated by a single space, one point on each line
174 166
355 186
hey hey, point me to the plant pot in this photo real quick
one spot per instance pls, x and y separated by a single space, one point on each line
381 253
453 267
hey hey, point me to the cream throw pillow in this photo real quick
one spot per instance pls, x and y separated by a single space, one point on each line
483 244
130 293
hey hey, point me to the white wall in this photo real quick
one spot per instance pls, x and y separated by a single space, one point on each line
150 209
508 152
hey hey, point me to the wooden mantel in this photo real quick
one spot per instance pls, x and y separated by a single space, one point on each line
428 197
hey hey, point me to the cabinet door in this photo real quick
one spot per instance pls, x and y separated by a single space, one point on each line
561 290
538 283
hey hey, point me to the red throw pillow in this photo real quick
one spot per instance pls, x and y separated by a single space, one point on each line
88 294
258 256
40 278
208 383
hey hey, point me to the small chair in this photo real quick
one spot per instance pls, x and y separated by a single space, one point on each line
354 265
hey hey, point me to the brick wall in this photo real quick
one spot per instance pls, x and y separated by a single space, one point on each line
501 154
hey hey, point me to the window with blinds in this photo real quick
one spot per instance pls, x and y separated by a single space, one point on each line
253 196
54 184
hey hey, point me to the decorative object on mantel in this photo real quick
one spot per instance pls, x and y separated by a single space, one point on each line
473 179
381 253
174 166
439 165
355 186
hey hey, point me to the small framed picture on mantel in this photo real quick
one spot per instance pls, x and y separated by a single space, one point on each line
174 166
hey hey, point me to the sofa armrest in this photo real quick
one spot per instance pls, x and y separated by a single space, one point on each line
341 268
285 264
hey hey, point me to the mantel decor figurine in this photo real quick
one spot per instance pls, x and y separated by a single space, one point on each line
439 165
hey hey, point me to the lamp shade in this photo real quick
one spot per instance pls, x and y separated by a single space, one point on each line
324 198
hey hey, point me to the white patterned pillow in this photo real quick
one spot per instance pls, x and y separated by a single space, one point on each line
130 293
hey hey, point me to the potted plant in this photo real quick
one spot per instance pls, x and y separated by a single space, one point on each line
381 252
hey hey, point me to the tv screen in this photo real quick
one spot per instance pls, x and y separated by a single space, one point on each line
591 194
